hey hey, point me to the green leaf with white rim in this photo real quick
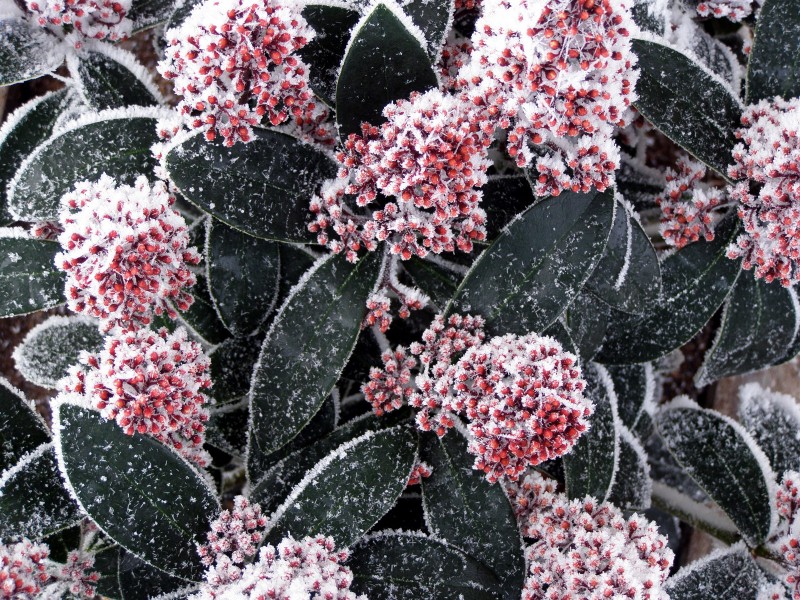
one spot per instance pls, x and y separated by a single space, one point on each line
305 350
587 321
114 142
634 386
29 279
773 419
759 325
21 429
349 490
696 280
24 130
384 62
722 458
433 20
232 364
33 500
243 277
140 581
529 275
202 316
676 95
52 347
148 499
729 573
632 487
26 51
628 276
773 68
109 77
591 466
465 510
262 188
408 566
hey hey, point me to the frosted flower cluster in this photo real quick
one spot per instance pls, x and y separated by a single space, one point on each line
588 549
125 252
97 19
77 577
150 383
734 10
767 163
687 205
308 569
786 540
235 63
558 78
522 396
412 183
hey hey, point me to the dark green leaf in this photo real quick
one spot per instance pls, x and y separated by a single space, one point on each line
305 351
29 279
106 564
696 280
262 188
437 282
759 324
21 429
109 77
628 276
394 565
591 465
587 321
465 510
384 63
537 266
774 66
227 428
676 94
149 13
116 145
719 455
350 489
632 484
503 199
773 420
243 276
561 334
635 387
324 53
26 52
26 128
141 493
52 347
433 19
33 500
232 365
731 573
140 581
202 316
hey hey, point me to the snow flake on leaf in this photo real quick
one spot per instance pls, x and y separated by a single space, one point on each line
125 251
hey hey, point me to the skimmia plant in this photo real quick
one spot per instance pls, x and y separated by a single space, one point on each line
388 298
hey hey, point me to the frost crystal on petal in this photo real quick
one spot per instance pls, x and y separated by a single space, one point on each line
786 541
22 569
588 549
80 580
98 19
235 534
125 251
149 383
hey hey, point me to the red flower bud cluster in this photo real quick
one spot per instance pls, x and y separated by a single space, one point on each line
97 19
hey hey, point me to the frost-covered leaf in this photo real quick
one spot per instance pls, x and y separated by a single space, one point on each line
467 511
305 350
634 386
33 500
243 276
725 461
687 103
632 484
772 69
140 581
26 52
149 13
324 53
759 324
503 199
29 280
52 347
716 56
232 364
648 15
142 494
538 265
106 564
109 77
587 321
26 128
591 465
436 281
433 19
729 573
202 316
695 282
384 62
227 428
262 188
115 142
395 565
562 335
347 492
628 276
773 420
21 429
